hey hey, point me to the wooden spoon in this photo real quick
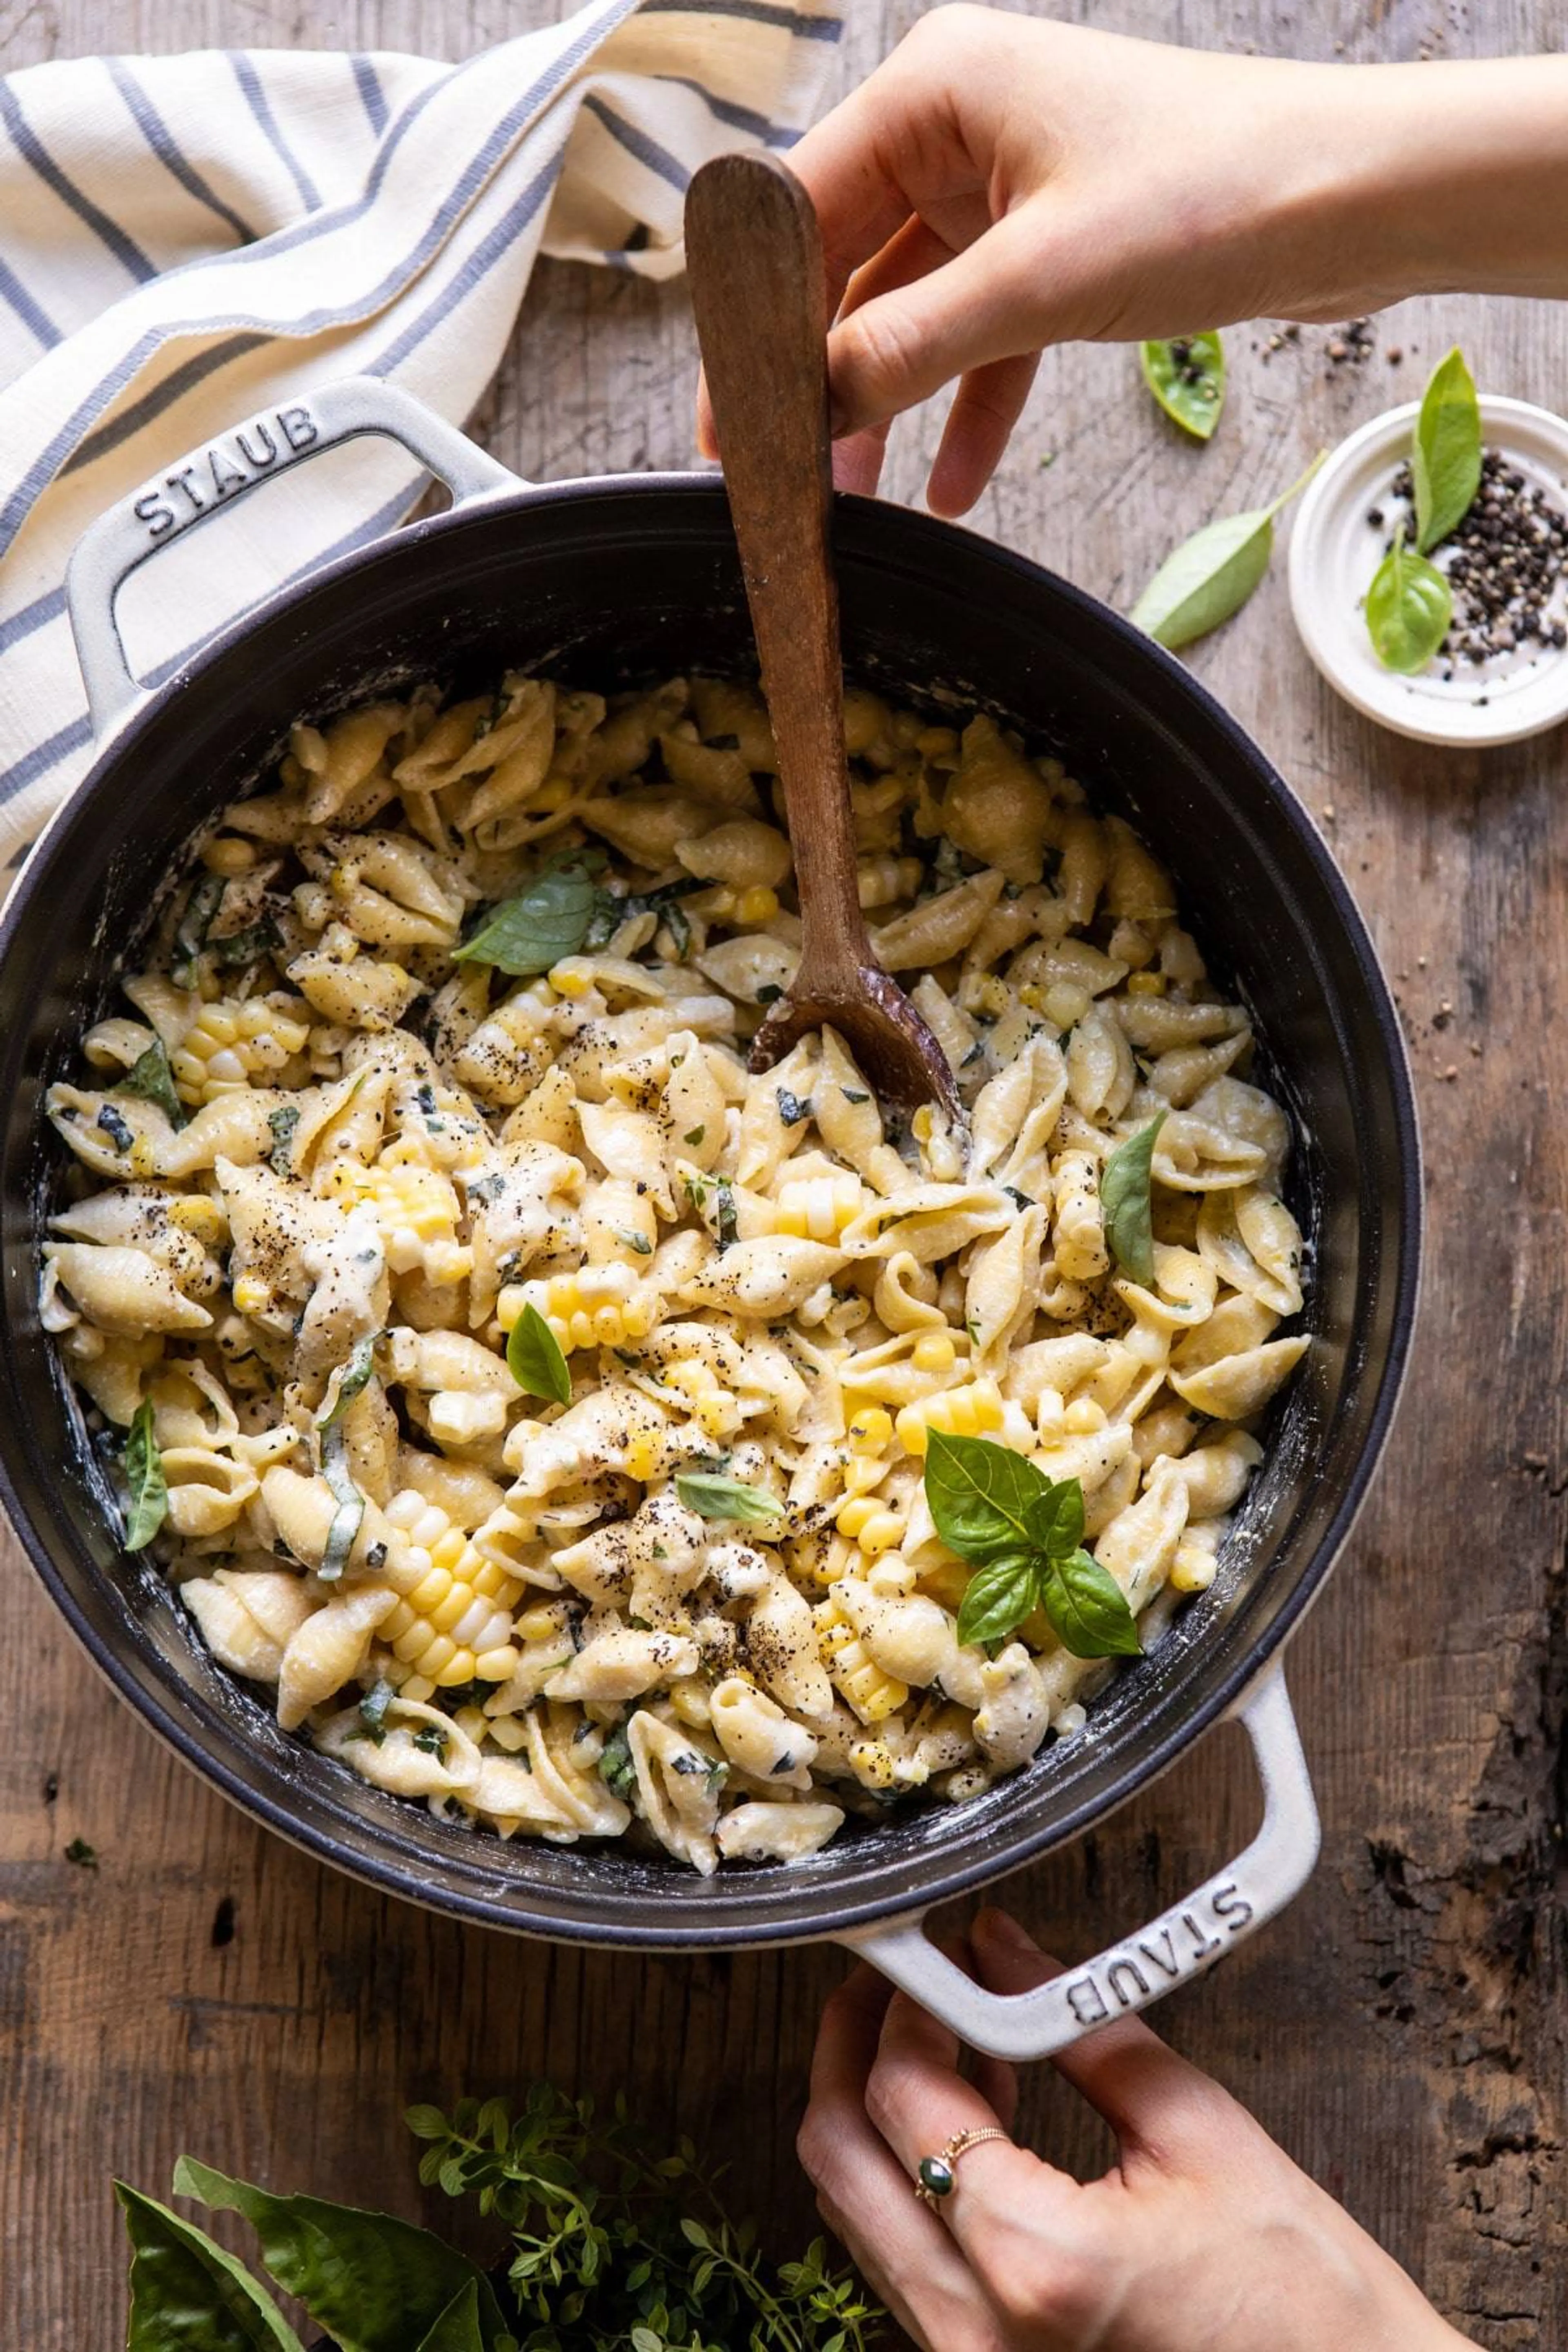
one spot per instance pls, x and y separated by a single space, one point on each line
754 253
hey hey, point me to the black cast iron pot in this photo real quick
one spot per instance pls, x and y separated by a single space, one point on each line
629 579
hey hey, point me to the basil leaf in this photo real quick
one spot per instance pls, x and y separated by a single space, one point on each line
1186 376
713 1497
981 1496
1124 1183
152 1079
547 921
355 1375
535 1360
195 921
998 1597
617 1769
1089 1609
375 2283
457 2329
1445 455
349 1517
282 1123
1408 608
187 2294
1211 575
145 1479
1054 1520
238 948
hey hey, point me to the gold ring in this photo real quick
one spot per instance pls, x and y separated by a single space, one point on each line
936 2176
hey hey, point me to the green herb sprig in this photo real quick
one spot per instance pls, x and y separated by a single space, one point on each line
611 2245
1211 575
1186 376
1022 1535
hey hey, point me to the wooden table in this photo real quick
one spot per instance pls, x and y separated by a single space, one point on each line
1402 2032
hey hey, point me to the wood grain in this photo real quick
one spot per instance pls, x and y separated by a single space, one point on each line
1402 2032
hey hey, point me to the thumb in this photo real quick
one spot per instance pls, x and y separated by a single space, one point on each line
1154 2101
897 349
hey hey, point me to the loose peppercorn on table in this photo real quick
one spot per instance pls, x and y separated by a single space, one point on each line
198 1984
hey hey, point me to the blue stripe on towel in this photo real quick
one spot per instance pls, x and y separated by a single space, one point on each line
34 317
36 616
160 140
648 151
43 757
31 149
752 12
162 395
261 105
369 90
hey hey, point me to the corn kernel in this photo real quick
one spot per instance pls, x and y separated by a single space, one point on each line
496 1665
923 1124
507 1732
756 906
1083 1417
251 1294
871 1430
554 794
1145 984
934 1351
229 855
1192 1569
643 1452
458 1668
570 977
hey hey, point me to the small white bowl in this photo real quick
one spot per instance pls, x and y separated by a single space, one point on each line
1334 553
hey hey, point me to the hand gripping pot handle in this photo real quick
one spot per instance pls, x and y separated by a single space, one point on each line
1181 1943
210 479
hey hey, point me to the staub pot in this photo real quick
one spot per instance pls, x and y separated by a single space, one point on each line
627 579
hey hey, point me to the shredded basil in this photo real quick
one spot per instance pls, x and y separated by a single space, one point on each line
151 1078
145 1481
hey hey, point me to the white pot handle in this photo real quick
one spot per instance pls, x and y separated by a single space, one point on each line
212 476
1181 1943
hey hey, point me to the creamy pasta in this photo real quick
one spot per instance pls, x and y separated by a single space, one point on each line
332 1155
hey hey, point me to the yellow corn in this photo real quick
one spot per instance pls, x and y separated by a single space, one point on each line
251 1294
818 1207
416 1209
554 794
934 1351
759 905
873 1694
453 1621
597 1306
871 1430
958 1412
1083 1417
714 1408
1145 984
235 1040
870 1524
1192 1569
571 979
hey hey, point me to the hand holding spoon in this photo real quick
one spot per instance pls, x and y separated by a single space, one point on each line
753 250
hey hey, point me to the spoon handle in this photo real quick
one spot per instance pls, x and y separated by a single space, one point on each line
754 253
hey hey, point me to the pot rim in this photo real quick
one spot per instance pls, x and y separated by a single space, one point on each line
784 1891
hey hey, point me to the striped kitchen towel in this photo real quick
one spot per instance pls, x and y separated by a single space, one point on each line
186 240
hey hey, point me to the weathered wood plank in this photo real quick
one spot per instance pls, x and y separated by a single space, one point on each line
1402 2032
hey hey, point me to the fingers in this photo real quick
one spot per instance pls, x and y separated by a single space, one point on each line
1159 2104
978 429
867 2200
897 347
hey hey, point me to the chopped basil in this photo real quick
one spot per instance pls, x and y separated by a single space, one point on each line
535 1360
145 1481
151 1078
282 1123
726 1498
114 1127
547 919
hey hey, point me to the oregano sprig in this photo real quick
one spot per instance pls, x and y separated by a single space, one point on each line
1022 1533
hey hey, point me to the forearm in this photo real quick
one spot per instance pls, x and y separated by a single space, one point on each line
1450 179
